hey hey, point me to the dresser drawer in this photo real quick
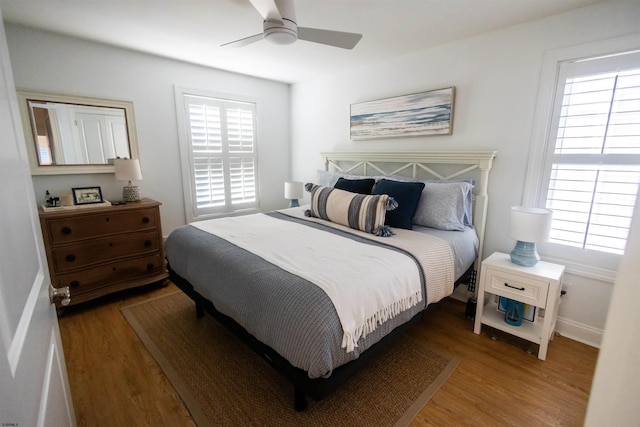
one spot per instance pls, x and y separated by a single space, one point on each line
75 256
66 230
111 273
523 289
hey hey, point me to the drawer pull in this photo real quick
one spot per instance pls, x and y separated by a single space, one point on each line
145 220
74 283
107 219
150 266
65 230
514 287
70 258
147 243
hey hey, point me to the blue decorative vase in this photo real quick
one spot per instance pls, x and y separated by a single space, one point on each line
514 312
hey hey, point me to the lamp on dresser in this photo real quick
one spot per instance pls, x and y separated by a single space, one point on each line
129 170
528 226
293 191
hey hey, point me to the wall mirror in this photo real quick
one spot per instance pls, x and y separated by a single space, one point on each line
76 135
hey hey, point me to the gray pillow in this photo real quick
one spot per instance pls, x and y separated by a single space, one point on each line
444 205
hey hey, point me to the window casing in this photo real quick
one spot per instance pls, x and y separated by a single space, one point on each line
590 168
218 147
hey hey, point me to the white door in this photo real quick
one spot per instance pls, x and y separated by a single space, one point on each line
34 389
102 136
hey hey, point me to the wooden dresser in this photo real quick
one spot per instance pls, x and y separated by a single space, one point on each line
98 250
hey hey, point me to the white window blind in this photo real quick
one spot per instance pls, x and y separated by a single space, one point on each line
594 171
222 154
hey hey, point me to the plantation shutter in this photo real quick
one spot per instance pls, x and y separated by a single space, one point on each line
222 147
595 165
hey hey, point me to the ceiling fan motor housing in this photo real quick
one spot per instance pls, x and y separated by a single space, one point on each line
285 32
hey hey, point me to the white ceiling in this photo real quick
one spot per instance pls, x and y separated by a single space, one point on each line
193 30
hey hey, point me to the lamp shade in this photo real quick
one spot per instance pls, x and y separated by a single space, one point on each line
293 190
530 225
127 169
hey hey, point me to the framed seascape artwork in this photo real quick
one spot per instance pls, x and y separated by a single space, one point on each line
418 114
87 195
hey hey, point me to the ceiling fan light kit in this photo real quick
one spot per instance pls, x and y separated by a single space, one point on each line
285 32
280 27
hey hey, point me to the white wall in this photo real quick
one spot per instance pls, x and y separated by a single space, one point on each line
496 76
52 63
616 383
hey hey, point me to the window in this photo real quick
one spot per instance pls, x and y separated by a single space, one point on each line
592 172
219 150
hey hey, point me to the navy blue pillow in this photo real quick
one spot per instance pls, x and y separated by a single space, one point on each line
361 186
407 194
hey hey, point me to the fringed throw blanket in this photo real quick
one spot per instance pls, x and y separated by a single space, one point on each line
367 284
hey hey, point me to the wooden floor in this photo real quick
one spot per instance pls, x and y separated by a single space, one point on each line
114 380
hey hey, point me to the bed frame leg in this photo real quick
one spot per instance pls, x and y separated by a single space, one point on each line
299 399
199 310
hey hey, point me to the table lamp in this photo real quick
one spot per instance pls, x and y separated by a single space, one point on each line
293 191
528 226
128 170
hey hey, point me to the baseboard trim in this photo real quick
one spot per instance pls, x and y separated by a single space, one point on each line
579 332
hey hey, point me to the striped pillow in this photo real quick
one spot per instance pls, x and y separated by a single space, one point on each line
358 211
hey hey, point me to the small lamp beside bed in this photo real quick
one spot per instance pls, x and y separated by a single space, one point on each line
293 191
528 226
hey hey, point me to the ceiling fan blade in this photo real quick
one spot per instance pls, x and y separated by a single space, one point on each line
245 41
328 37
267 9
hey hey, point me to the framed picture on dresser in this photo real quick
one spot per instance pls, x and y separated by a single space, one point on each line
87 195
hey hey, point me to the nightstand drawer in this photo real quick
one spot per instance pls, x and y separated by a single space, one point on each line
528 291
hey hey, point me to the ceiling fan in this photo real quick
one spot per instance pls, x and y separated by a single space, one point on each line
280 27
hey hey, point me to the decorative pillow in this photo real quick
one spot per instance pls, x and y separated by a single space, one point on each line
362 186
407 194
445 205
358 211
468 201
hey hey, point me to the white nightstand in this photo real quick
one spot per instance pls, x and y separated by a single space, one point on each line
538 285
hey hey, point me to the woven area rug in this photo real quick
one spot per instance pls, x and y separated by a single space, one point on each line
223 382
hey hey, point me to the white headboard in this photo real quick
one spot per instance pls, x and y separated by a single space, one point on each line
426 165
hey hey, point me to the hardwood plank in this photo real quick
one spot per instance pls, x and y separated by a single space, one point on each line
114 380
498 382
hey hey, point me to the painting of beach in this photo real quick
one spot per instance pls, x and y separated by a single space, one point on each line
424 113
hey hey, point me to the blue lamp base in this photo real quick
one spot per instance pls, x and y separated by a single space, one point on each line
294 203
525 254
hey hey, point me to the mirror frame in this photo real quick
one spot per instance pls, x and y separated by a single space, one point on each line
24 96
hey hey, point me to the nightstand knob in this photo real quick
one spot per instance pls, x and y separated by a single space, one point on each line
145 220
74 283
147 243
66 230
70 258
150 266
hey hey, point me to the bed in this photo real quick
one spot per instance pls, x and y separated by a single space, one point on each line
285 282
